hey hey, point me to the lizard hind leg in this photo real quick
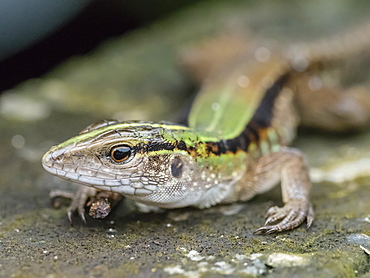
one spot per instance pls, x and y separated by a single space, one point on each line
289 166
333 108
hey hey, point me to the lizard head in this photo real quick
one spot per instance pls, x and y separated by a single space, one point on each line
145 161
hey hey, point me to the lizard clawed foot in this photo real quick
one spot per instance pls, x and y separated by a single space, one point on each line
287 218
79 200
100 202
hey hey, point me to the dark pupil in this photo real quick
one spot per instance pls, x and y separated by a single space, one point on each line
121 153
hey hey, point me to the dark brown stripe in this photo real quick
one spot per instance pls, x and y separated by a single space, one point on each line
264 113
252 132
153 147
181 145
260 121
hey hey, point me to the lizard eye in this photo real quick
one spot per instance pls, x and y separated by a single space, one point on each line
121 153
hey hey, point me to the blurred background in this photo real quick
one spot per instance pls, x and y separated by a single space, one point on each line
35 36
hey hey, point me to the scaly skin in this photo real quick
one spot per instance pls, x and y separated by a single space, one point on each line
233 148
162 170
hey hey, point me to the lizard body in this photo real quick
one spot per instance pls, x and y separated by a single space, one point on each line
234 146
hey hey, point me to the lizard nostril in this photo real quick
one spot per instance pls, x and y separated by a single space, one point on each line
58 155
58 158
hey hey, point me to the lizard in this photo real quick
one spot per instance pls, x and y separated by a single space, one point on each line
235 142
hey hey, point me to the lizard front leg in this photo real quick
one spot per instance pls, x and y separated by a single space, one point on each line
78 200
288 166
100 202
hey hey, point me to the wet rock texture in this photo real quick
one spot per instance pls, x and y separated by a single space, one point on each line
138 77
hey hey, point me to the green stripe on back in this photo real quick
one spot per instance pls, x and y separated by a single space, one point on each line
225 105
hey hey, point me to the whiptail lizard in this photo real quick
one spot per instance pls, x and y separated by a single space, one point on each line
234 145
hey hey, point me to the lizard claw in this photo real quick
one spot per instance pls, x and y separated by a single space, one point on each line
70 212
310 216
287 218
69 215
80 210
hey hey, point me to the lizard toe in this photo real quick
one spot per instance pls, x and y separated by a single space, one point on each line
310 216
271 211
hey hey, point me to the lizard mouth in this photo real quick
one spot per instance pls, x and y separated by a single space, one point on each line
53 165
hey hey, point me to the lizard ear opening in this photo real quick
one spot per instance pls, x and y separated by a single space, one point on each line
176 167
97 125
